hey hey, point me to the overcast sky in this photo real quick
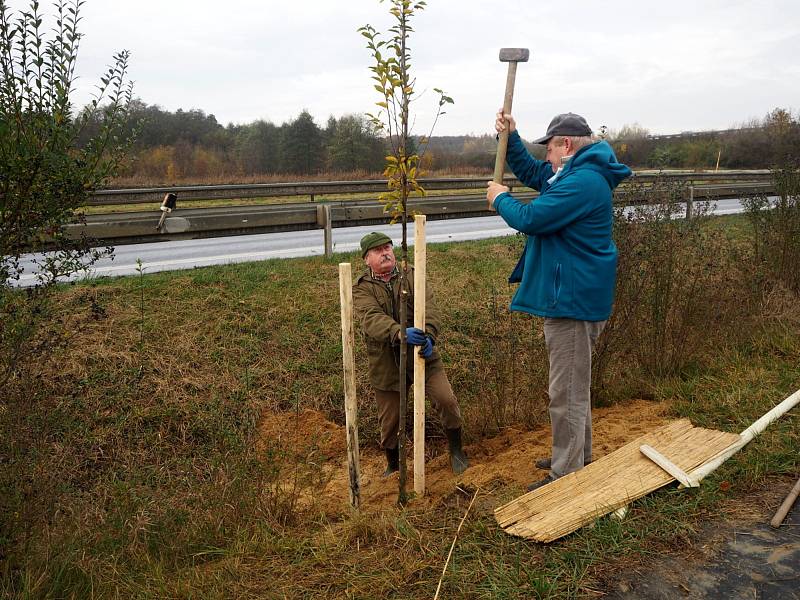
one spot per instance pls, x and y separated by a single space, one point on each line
669 66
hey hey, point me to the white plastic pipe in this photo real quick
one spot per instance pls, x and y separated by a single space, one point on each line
746 436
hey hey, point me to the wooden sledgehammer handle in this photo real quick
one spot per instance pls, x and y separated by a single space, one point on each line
512 56
502 146
787 504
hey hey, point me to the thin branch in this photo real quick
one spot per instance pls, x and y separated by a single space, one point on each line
453 545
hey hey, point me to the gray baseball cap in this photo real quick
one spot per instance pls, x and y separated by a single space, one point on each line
568 124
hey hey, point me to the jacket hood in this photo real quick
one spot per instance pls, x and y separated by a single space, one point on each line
599 157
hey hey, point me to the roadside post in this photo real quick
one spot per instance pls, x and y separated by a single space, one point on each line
324 221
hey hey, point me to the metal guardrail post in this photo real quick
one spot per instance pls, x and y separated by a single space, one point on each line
325 222
690 202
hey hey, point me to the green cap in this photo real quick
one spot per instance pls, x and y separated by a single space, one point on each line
373 240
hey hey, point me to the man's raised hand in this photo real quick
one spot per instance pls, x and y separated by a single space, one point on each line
502 121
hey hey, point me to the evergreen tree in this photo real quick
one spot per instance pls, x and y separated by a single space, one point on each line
302 146
258 148
353 145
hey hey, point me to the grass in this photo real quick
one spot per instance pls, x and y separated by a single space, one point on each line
133 468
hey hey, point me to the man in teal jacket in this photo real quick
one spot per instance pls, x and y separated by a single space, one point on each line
567 271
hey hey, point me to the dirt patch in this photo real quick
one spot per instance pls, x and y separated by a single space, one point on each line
504 460
303 433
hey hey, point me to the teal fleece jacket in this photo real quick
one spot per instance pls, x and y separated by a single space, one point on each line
568 268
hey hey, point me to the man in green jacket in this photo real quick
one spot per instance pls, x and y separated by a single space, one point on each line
376 300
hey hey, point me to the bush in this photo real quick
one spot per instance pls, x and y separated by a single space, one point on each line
776 224
680 284
45 175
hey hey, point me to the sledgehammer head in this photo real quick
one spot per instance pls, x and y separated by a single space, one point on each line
514 54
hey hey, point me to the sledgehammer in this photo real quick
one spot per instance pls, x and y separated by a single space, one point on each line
512 56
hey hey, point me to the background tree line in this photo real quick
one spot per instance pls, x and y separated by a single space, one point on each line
193 145
757 144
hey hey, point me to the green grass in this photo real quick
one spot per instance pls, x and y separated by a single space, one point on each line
133 470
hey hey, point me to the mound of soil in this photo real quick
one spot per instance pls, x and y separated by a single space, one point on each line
504 460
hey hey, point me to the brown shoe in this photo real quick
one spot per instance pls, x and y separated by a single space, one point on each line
546 463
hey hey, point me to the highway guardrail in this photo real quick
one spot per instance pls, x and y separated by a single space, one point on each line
132 227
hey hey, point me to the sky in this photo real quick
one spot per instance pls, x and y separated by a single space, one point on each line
684 65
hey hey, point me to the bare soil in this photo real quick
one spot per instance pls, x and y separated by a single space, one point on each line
504 460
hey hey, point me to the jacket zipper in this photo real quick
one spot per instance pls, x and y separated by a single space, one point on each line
557 284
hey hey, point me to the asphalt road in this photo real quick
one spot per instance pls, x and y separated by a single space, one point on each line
187 254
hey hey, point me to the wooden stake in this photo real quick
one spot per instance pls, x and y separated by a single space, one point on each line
348 362
787 504
420 258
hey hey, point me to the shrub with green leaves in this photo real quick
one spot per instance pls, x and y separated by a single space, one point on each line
45 173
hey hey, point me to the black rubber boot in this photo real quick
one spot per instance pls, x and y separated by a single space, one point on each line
392 461
458 460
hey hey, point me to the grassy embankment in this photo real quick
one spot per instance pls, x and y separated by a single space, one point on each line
134 463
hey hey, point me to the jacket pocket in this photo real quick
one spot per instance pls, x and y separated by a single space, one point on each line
556 284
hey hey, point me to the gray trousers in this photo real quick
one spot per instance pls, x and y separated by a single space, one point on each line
569 346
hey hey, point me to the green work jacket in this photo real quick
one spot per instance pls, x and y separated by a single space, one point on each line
377 308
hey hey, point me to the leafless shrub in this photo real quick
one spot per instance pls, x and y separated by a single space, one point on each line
509 369
776 225
679 286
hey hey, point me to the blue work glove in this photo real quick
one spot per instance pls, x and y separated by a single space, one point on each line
427 349
415 337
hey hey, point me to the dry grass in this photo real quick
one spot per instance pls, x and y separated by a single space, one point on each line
131 466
